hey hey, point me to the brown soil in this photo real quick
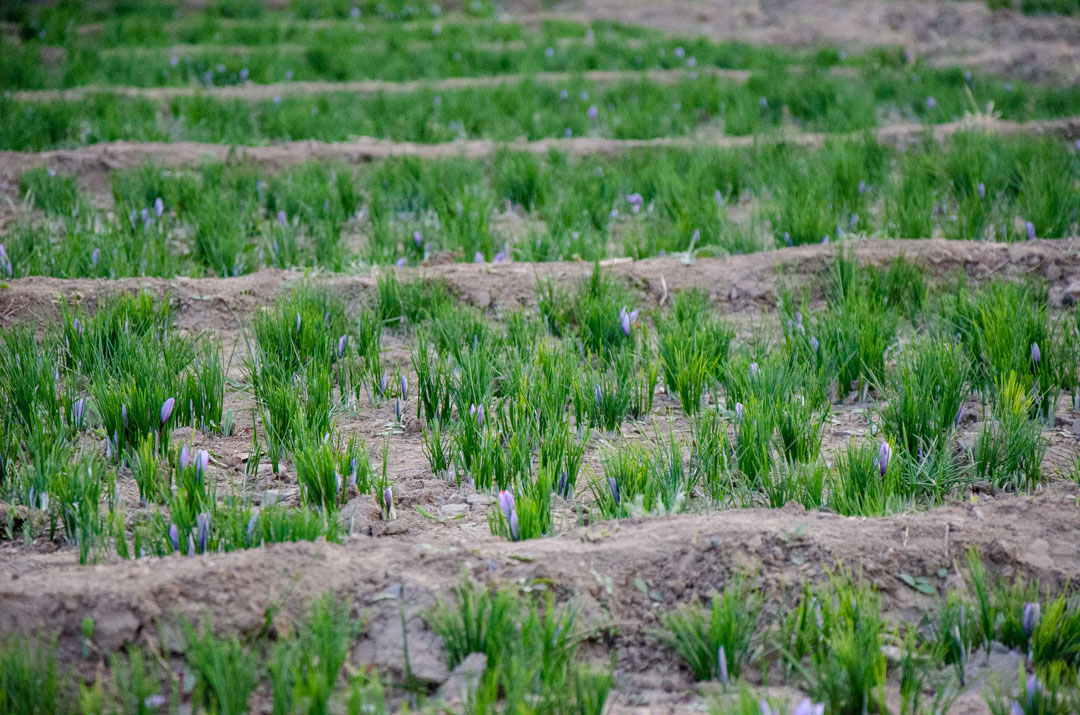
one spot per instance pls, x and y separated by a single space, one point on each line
965 32
600 568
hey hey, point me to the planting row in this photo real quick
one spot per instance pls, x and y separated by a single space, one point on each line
524 652
514 409
634 109
234 219
377 52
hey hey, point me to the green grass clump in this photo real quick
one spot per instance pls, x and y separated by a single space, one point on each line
717 643
1009 449
693 348
30 678
531 649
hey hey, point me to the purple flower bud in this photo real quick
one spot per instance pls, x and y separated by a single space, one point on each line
174 537
514 525
95 256
959 416
787 239
174 61
614 487
981 189
204 531
397 409
1030 228
77 411
931 103
825 239
400 263
499 257
1035 354
818 619
798 318
807 707
243 74
282 217
404 388
190 544
564 485
598 395
884 455
718 196
739 410
862 188
721 661
418 238
382 384
478 258
592 113
123 415
754 369
1015 709
506 502
341 346
624 320
202 460
1033 687
185 458
166 410
388 500
159 206
814 344
1030 619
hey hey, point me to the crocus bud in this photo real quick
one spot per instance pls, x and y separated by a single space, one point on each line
388 502
814 344
282 218
564 484
166 410
77 411
95 256
341 346
808 707
1035 354
418 238
185 457
614 487
174 537
159 206
190 544
598 395
202 460
478 258
754 369
624 320
1015 709
739 410
400 263
931 103
204 530
123 415
884 454
514 525
959 416
592 113
721 660
506 503
404 388
1030 618
382 384
1033 686
981 189
1030 228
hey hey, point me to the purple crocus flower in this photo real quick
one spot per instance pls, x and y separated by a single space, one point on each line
400 263
787 239
635 202
404 388
765 708
1030 618
884 455
174 61
718 196
282 217
95 256
243 74
382 384
166 410
478 258
1035 354
506 502
77 411
754 369
514 529
204 530
959 415
174 537
592 113
564 484
388 501
1030 228
598 395
1015 709
614 487
397 409
341 346
931 103
418 238
721 660
739 410
624 321
981 189
202 460
808 707
814 344
1033 686
159 206
185 458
